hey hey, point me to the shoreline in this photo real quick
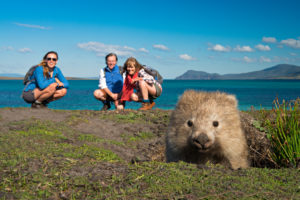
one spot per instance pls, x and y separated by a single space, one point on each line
89 79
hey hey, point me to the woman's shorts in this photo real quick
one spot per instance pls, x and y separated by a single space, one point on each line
28 96
158 91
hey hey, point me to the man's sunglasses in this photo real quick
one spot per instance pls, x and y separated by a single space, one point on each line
54 59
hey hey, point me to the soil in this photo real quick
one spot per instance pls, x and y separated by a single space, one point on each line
36 163
104 125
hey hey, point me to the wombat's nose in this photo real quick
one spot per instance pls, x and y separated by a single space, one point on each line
201 140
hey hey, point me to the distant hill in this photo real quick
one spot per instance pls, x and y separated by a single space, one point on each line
198 75
282 71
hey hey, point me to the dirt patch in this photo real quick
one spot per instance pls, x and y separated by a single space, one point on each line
49 154
259 145
134 136
19 114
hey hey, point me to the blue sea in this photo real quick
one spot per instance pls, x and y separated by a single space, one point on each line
256 93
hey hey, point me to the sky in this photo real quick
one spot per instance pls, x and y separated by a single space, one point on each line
172 36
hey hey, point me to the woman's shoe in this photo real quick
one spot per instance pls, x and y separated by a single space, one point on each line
147 106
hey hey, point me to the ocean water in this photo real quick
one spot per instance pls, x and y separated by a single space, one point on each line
257 93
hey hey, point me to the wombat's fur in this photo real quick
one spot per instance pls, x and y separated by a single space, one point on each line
205 126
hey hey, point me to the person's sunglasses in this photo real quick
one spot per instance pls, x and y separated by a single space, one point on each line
54 59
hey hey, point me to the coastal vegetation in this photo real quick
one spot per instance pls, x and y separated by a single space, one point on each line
283 131
55 154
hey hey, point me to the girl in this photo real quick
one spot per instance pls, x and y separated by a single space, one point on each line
46 84
146 86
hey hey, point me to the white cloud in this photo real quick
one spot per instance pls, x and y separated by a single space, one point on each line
293 54
265 59
24 50
262 47
161 47
32 26
243 48
291 43
8 48
219 48
269 39
129 48
186 57
144 50
248 60
103 49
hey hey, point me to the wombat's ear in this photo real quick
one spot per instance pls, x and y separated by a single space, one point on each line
232 100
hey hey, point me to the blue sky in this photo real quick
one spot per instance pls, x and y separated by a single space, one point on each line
172 36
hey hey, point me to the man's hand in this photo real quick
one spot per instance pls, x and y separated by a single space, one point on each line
114 96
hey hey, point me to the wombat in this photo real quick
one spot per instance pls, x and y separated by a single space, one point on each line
205 126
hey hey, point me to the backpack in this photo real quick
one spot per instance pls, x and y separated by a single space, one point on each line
27 76
153 72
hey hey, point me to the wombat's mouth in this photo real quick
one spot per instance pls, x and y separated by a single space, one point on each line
201 147
201 142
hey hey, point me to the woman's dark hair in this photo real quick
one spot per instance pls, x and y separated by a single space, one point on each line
54 52
111 54
44 63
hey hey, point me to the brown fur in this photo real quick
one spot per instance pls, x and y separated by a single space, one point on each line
206 127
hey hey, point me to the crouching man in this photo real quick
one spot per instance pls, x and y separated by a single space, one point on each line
110 83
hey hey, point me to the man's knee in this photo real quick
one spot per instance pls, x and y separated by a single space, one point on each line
98 94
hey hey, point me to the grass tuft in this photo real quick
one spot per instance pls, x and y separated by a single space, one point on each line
284 133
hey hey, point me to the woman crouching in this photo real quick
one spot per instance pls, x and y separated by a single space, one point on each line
146 86
46 84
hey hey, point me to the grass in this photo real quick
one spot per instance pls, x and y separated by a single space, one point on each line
284 133
185 181
40 159
137 137
95 139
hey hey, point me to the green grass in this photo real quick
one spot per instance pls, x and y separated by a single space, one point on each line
131 117
41 159
95 139
284 134
137 137
154 180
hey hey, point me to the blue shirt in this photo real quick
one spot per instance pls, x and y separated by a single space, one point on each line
42 82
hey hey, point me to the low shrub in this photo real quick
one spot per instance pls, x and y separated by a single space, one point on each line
284 133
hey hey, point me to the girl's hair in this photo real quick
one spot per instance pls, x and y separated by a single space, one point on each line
44 63
132 61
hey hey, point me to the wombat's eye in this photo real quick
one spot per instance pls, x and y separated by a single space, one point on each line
215 123
190 123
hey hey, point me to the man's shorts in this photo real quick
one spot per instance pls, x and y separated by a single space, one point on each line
28 96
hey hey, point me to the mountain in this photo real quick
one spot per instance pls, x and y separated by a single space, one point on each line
282 71
197 75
